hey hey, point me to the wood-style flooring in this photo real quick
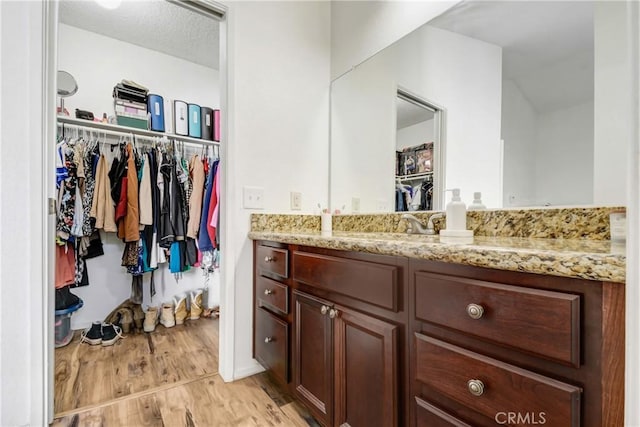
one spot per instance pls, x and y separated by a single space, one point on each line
207 402
88 375
165 378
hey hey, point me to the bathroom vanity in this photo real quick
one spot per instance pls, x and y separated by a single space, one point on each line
386 329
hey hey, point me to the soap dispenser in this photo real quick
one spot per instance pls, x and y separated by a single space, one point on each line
456 224
477 204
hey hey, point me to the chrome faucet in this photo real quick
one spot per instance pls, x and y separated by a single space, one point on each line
416 227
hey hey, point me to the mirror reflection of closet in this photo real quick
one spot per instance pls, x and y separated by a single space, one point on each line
418 153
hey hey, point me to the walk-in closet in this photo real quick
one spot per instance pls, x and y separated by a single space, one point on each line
138 170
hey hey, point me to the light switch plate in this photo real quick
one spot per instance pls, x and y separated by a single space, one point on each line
355 204
296 201
253 197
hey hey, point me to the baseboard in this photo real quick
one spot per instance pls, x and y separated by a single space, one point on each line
247 371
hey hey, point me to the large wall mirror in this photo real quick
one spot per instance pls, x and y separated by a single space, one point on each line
525 94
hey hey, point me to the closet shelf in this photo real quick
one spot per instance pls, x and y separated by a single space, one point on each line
415 176
124 130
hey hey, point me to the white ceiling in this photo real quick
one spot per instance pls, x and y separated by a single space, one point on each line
547 46
409 114
154 24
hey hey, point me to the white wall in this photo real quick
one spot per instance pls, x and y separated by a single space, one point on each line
611 94
278 136
78 53
278 133
564 156
519 132
414 135
360 29
98 63
22 217
461 74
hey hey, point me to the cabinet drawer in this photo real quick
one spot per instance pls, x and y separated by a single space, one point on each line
428 415
540 322
366 281
272 344
273 260
272 293
491 387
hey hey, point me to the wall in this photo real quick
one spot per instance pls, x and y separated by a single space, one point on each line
359 29
414 135
263 94
611 94
22 217
78 53
171 77
278 135
564 156
460 74
519 132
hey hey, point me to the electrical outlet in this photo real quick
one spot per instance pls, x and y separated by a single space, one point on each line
355 204
252 197
296 201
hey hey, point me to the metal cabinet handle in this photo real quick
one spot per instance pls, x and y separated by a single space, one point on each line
324 309
476 387
333 313
268 292
269 259
267 340
475 311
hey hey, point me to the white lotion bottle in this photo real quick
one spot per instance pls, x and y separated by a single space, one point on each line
456 217
477 204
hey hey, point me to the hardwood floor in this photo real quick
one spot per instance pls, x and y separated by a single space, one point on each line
86 375
205 402
166 378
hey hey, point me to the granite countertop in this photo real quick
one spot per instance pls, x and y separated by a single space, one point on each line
587 259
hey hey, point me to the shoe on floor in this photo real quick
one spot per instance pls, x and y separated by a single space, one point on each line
150 319
180 310
92 335
196 304
110 334
167 318
126 319
138 316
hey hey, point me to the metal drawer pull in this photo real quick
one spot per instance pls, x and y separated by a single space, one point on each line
268 292
476 387
269 259
324 309
267 340
333 313
475 311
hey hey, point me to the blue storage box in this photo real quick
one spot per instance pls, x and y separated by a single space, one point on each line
63 332
195 130
155 107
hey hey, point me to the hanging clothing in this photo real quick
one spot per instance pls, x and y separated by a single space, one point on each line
146 203
65 266
204 240
102 207
212 221
128 229
196 172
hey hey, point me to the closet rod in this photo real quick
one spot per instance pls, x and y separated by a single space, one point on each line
117 130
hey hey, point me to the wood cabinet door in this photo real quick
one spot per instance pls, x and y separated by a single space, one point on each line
313 355
366 369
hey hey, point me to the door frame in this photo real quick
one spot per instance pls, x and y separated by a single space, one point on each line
42 337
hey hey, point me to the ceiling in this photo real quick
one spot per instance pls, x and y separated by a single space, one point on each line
409 114
548 47
153 24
